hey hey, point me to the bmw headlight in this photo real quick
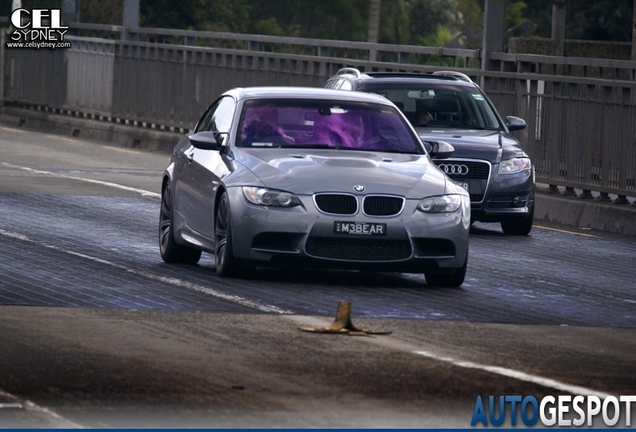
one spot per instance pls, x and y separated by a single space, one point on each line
514 165
270 197
441 204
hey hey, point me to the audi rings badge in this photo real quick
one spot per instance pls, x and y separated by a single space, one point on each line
454 169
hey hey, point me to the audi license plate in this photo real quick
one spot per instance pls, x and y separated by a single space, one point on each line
465 185
359 228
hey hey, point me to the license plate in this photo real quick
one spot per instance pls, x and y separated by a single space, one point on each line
359 228
465 185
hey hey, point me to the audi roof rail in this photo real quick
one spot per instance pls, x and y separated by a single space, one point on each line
459 75
350 70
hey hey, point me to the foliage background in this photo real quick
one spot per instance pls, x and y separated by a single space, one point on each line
416 22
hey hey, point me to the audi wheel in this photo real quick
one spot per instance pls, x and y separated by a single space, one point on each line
518 227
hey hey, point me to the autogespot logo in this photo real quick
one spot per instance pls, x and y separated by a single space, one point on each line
456 169
37 28
563 410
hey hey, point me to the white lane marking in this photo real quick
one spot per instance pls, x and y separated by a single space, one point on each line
63 138
391 342
123 150
30 406
518 375
84 179
172 281
10 129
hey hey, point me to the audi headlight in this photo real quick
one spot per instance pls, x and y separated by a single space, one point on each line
515 165
441 204
270 197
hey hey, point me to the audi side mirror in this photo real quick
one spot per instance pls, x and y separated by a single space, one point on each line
515 123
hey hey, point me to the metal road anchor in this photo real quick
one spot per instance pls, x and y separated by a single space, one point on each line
343 323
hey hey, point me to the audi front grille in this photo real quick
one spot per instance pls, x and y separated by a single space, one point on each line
464 171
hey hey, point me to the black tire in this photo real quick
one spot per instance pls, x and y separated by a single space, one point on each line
518 227
448 280
226 264
171 251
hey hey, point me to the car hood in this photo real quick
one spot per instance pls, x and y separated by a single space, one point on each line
475 144
305 172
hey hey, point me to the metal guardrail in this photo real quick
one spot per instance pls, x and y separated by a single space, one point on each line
581 113
435 56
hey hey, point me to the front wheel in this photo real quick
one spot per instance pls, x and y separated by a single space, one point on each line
519 227
449 280
171 251
226 264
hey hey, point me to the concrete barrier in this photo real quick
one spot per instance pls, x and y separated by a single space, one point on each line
585 213
95 129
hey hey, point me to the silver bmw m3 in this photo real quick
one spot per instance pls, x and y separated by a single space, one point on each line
290 176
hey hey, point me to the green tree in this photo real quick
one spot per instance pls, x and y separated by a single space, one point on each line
333 19
604 20
6 5
212 15
394 22
429 19
419 22
101 11
163 14
608 20
515 13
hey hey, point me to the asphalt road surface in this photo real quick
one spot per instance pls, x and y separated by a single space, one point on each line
96 331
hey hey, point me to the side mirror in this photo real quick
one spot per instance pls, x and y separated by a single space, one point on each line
439 149
208 140
515 123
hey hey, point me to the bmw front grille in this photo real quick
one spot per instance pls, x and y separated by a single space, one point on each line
341 204
382 205
372 205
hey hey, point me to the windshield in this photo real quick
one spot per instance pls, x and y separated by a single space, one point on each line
324 124
441 106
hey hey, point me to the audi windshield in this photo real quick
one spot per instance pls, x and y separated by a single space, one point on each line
433 106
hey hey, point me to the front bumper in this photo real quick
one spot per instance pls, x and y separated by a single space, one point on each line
508 197
494 197
413 241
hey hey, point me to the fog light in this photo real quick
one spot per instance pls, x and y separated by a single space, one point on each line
517 201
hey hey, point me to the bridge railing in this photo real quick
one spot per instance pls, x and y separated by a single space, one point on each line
581 113
434 56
